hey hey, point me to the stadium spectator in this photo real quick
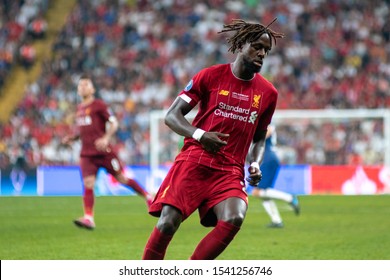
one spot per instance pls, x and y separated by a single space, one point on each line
208 173
270 167
19 169
37 27
6 60
91 119
27 54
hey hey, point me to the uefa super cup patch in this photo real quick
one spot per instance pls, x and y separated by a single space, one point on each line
189 85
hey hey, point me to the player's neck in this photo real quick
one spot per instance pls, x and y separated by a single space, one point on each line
240 72
87 100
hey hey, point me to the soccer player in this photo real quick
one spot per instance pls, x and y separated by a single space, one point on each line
236 104
92 118
270 167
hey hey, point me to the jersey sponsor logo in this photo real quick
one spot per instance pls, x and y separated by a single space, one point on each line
253 117
87 111
84 120
189 85
223 92
232 112
230 115
240 96
256 100
236 109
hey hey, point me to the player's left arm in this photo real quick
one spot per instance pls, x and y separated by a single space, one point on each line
255 156
256 151
112 128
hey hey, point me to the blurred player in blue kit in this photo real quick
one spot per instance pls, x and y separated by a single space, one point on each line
270 167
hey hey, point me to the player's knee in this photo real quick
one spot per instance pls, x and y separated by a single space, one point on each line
170 220
167 227
236 219
88 187
89 183
120 178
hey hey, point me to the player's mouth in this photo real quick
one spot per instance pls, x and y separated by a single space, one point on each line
258 63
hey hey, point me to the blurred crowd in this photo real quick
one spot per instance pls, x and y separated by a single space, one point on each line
332 142
21 22
335 54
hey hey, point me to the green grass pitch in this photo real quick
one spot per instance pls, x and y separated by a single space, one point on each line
329 228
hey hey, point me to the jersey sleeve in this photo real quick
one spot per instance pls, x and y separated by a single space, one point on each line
105 112
266 118
196 88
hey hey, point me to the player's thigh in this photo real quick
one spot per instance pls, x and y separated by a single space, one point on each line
89 167
112 164
225 194
232 210
184 188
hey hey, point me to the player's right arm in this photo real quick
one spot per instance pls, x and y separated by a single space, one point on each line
175 119
74 133
68 139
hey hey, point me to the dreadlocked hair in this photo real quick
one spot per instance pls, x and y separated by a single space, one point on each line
248 33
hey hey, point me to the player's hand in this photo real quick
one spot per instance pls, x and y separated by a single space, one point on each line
101 143
254 176
214 141
66 140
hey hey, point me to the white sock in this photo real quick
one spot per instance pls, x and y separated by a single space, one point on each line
272 211
275 194
88 217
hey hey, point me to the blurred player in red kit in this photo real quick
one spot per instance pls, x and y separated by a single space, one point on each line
236 104
91 119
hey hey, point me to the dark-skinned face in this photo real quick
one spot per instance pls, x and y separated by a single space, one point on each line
254 53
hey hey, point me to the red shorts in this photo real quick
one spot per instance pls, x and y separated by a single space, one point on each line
90 165
189 186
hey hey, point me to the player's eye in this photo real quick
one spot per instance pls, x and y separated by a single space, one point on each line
259 47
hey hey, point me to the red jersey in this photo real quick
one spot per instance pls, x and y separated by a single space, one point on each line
91 121
228 105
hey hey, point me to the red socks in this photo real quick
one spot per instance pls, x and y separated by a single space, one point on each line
215 242
156 246
209 247
88 200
